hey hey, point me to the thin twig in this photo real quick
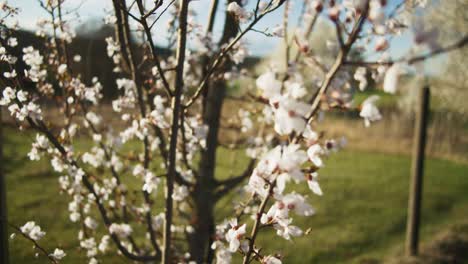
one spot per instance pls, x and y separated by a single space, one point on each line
154 52
225 51
459 44
255 228
36 245
160 14
338 62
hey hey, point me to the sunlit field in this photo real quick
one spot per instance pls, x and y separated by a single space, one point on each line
360 218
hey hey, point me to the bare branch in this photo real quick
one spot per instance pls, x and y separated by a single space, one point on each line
176 109
41 127
255 228
141 102
338 62
212 16
157 4
154 52
457 45
160 14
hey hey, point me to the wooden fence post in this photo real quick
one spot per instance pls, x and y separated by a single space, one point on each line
3 203
417 169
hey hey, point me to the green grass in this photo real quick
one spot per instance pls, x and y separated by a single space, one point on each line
386 100
361 215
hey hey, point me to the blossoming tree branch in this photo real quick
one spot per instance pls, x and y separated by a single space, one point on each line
152 170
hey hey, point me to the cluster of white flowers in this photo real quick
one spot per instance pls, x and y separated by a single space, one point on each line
90 246
240 13
34 60
195 133
121 230
360 76
180 193
390 84
128 99
92 94
95 158
32 230
41 144
104 244
246 121
19 106
113 51
289 113
58 254
92 118
74 208
151 181
160 114
271 260
90 223
235 234
239 52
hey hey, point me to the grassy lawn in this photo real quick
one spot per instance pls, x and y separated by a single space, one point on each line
360 217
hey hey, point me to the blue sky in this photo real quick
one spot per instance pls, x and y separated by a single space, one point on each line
258 43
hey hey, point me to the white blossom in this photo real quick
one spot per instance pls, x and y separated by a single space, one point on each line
314 152
234 234
240 13
58 254
286 230
390 84
10 75
104 244
77 58
121 230
90 223
22 96
180 193
32 230
313 184
34 60
8 96
12 42
271 260
360 76
93 118
268 84
369 111
90 246
151 182
223 256
290 115
278 31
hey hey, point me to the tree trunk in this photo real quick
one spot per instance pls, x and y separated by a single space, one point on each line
203 194
203 217
3 203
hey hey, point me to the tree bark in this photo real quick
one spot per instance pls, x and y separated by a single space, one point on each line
3 203
204 191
